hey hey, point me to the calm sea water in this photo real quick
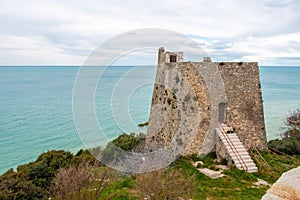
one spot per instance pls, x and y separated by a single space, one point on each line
281 95
36 106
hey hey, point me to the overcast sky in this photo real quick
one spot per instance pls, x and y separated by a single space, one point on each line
61 32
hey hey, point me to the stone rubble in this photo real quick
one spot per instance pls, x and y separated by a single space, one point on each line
211 173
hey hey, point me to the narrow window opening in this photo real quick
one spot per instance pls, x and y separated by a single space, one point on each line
173 58
222 112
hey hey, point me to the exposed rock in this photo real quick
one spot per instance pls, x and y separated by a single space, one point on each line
286 187
260 182
211 173
222 167
197 163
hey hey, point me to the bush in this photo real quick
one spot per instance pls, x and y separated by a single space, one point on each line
292 129
14 185
32 180
42 171
165 184
290 138
83 182
289 146
85 157
115 150
127 142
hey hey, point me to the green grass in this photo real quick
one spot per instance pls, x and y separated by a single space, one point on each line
236 184
120 190
278 163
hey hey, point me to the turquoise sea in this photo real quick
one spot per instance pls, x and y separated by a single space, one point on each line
36 106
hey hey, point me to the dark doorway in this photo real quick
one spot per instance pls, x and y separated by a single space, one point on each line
222 112
173 58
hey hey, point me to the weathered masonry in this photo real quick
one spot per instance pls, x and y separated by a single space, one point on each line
187 111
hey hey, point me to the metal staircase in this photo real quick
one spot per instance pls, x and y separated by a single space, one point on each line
235 149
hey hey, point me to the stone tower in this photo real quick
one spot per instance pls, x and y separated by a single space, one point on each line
191 99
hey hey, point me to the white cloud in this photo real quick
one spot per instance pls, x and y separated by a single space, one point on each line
18 50
64 32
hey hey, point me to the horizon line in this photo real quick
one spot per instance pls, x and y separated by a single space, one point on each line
121 66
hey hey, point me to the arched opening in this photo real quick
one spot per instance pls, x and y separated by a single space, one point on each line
222 112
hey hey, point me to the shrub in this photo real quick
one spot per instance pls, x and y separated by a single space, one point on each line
143 124
292 129
194 157
33 180
165 184
85 156
42 171
290 138
114 149
127 142
83 182
14 185
289 146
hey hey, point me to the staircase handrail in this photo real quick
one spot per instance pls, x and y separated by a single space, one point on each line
234 150
264 160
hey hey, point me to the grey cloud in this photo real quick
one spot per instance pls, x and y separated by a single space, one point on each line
76 27
278 3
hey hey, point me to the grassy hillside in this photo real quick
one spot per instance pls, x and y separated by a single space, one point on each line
62 175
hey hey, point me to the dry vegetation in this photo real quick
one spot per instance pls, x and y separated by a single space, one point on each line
165 184
83 182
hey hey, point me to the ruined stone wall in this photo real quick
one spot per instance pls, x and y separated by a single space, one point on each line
244 108
180 103
182 109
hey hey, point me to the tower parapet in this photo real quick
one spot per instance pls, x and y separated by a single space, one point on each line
169 57
206 59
